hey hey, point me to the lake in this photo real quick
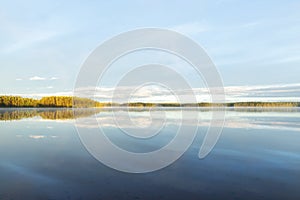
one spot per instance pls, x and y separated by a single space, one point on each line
256 157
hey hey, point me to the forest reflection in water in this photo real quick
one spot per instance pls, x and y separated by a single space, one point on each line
8 114
45 113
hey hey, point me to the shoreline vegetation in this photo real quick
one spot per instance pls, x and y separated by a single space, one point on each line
78 102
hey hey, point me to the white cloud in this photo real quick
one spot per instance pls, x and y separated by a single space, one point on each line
37 78
37 136
19 79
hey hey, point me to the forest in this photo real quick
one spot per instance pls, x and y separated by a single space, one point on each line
52 101
78 102
235 104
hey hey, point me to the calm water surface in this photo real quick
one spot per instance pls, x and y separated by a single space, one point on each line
256 157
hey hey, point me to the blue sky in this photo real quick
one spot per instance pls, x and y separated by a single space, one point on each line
44 43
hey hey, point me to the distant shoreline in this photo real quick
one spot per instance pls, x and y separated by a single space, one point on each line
78 102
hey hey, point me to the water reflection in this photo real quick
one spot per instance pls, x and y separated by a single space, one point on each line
255 118
257 157
46 114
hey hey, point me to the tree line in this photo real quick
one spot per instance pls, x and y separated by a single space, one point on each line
235 104
78 102
52 101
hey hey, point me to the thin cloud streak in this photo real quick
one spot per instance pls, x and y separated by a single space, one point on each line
37 37
276 92
39 78
192 28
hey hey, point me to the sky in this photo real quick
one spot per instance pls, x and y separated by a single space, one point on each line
254 44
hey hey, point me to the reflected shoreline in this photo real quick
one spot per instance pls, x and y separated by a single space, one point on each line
9 114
